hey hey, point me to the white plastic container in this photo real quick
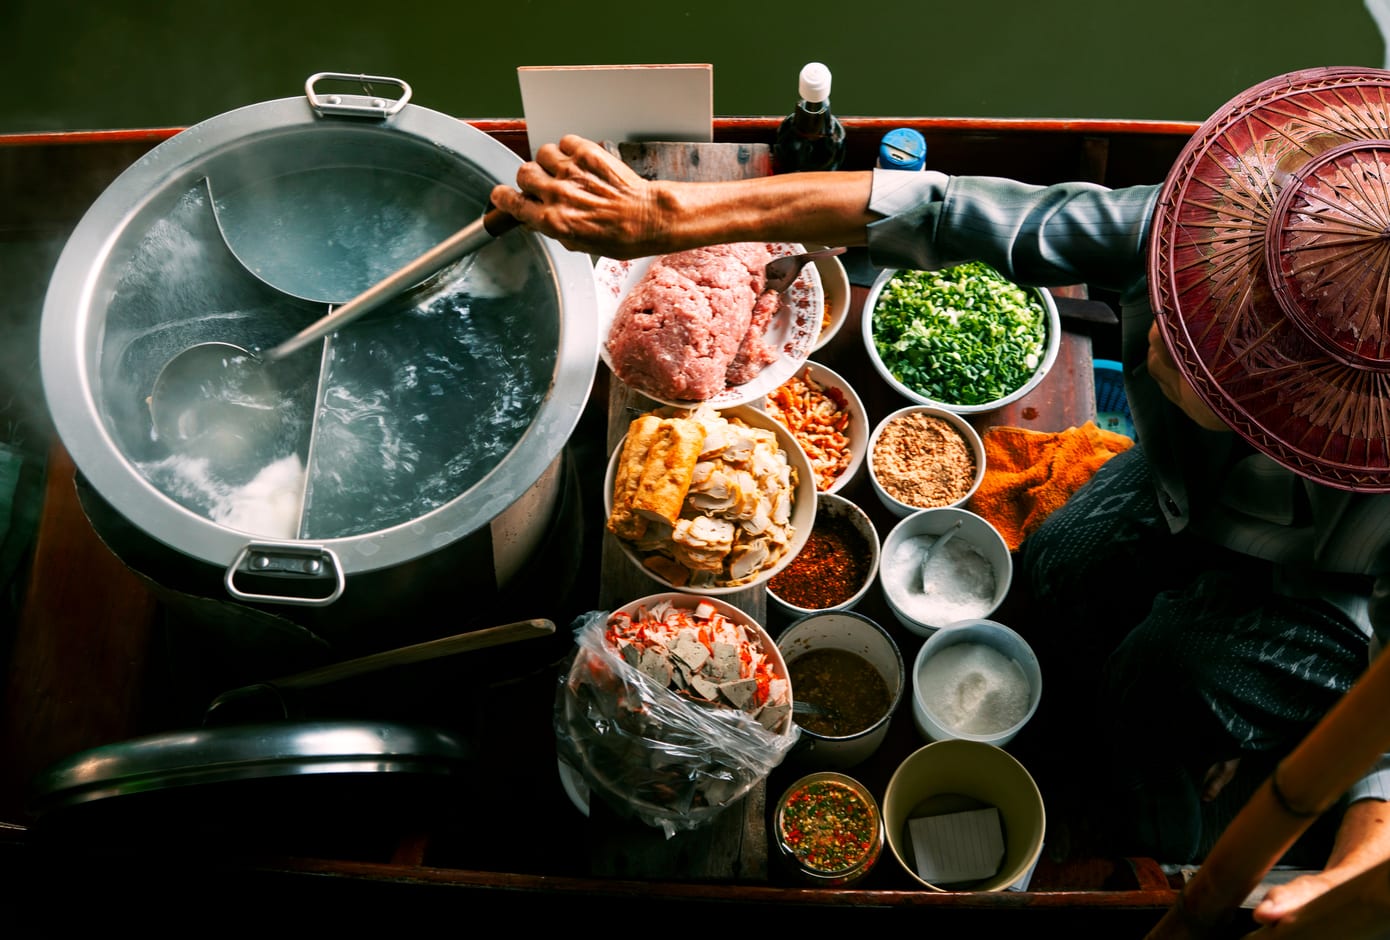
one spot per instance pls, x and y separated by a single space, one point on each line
995 637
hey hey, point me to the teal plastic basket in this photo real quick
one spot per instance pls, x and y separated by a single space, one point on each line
1112 408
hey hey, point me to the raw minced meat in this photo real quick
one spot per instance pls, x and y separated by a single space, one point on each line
690 320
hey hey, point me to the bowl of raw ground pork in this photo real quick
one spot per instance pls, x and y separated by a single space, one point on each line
685 340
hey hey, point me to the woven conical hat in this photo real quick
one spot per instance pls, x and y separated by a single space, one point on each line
1269 268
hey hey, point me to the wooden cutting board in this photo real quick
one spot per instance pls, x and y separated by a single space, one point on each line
734 845
671 160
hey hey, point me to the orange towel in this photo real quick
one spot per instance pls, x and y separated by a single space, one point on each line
1028 474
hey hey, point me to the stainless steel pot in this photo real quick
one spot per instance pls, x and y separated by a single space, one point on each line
438 422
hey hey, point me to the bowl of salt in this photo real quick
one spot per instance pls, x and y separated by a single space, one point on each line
975 681
944 565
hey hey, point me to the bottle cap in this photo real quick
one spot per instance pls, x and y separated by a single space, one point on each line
902 149
815 82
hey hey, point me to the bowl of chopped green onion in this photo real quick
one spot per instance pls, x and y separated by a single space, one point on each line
964 338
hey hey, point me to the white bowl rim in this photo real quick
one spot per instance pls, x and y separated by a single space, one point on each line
896 535
832 272
853 509
903 678
1050 350
967 431
859 416
1035 691
806 484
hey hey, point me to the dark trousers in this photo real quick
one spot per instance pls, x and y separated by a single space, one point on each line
1182 653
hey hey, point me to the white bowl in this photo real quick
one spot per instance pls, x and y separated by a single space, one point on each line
603 760
853 633
803 515
831 506
834 282
901 579
858 429
1004 684
970 435
951 776
1051 346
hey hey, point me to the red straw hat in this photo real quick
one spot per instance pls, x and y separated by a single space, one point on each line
1269 270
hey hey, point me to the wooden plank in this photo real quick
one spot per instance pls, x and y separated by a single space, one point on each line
669 160
734 844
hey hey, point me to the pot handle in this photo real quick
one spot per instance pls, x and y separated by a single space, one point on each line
296 564
369 105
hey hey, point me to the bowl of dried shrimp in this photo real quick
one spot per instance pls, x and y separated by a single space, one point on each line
709 501
824 413
674 707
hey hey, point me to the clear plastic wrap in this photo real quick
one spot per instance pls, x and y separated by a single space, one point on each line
652 753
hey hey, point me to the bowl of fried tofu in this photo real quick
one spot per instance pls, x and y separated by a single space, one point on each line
709 501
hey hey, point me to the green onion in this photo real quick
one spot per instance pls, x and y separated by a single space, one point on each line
964 335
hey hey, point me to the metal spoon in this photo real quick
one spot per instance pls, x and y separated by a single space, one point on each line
781 272
941 540
802 707
220 389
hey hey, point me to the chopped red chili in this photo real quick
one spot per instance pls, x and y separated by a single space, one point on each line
829 569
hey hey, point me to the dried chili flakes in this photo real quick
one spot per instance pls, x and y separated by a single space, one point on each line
829 569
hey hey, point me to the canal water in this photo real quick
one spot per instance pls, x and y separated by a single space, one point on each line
77 65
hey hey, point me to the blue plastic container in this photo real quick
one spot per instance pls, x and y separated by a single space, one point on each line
1112 407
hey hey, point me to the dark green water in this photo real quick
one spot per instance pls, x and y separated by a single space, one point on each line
80 65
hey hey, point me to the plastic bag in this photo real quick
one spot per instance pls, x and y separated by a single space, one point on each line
651 753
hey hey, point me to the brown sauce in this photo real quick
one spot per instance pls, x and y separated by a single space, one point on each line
845 683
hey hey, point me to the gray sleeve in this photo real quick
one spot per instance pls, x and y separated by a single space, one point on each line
1067 233
1375 785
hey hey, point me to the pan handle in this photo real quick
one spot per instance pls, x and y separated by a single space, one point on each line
369 105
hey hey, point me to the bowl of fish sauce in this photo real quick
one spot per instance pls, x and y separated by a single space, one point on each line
828 829
849 677
835 567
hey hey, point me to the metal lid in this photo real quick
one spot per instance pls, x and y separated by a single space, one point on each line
1268 271
187 759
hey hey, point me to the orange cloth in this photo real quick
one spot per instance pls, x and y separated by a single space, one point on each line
1028 474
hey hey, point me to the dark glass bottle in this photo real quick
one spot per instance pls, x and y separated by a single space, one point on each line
811 137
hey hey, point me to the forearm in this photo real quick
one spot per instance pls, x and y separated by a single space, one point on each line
811 208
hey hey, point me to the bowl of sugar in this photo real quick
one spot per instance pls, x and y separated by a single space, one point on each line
976 680
943 565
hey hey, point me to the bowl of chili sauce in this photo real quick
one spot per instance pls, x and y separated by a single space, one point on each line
836 566
828 828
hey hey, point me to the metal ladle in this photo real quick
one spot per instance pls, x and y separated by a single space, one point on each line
218 399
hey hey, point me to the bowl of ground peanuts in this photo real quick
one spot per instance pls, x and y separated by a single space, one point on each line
922 457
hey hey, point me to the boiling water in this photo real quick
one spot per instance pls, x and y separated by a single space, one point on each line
419 402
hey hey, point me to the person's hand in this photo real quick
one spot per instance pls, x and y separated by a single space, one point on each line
1177 389
1281 900
586 199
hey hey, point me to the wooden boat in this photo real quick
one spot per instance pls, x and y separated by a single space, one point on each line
84 663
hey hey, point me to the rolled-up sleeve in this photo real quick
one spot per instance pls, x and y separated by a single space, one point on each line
1067 233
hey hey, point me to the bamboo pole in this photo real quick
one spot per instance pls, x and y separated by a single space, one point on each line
1335 754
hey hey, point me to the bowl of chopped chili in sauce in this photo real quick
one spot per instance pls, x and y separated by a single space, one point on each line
851 672
829 829
836 566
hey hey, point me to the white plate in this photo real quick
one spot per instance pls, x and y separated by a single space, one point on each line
794 331
859 426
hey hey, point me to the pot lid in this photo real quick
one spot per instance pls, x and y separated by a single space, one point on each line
211 757
400 434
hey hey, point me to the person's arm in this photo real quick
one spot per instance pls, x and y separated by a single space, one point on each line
589 200
1362 845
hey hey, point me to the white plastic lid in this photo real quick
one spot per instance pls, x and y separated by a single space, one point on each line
815 82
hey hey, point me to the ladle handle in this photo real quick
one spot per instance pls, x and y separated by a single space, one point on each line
466 240
419 652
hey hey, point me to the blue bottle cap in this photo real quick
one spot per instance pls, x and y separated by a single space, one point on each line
902 149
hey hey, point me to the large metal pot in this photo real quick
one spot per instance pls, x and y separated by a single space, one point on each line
431 435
